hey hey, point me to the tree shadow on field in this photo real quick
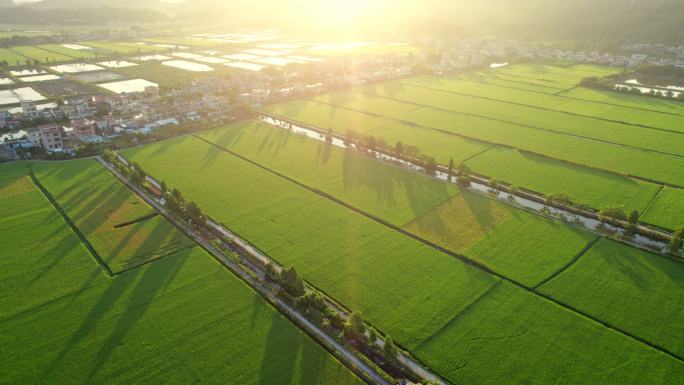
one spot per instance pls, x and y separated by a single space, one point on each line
149 285
341 98
274 141
258 307
162 147
390 183
283 345
359 172
323 152
57 253
392 88
423 194
313 362
230 136
210 155
104 304
480 208
638 269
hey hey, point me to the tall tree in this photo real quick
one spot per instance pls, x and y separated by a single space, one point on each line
389 350
357 328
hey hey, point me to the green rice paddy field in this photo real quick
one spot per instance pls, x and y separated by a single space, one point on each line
582 151
12 58
667 209
637 289
74 53
41 55
182 319
114 220
121 48
455 318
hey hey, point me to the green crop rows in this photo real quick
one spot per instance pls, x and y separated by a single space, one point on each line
598 151
448 314
12 58
182 319
41 55
113 219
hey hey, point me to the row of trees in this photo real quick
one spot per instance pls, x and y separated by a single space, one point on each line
404 152
611 83
174 200
354 329
610 214
677 241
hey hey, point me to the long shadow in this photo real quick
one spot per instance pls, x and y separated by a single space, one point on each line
313 363
283 344
481 209
362 172
342 98
279 140
635 268
150 284
323 152
159 236
422 196
59 251
258 306
230 136
94 214
123 242
104 304
210 156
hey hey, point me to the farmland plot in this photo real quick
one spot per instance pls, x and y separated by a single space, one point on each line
547 176
41 55
122 228
359 262
327 117
592 187
74 53
70 323
541 119
366 267
639 110
619 159
667 210
623 285
431 209
12 58
524 247
510 336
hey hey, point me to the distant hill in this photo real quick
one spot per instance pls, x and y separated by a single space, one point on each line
587 20
86 16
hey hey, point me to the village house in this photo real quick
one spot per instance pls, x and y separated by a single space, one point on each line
83 128
29 109
77 108
48 136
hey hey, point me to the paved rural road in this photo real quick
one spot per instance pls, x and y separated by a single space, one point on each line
283 307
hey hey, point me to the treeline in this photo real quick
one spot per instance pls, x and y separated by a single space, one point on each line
174 200
613 83
314 306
